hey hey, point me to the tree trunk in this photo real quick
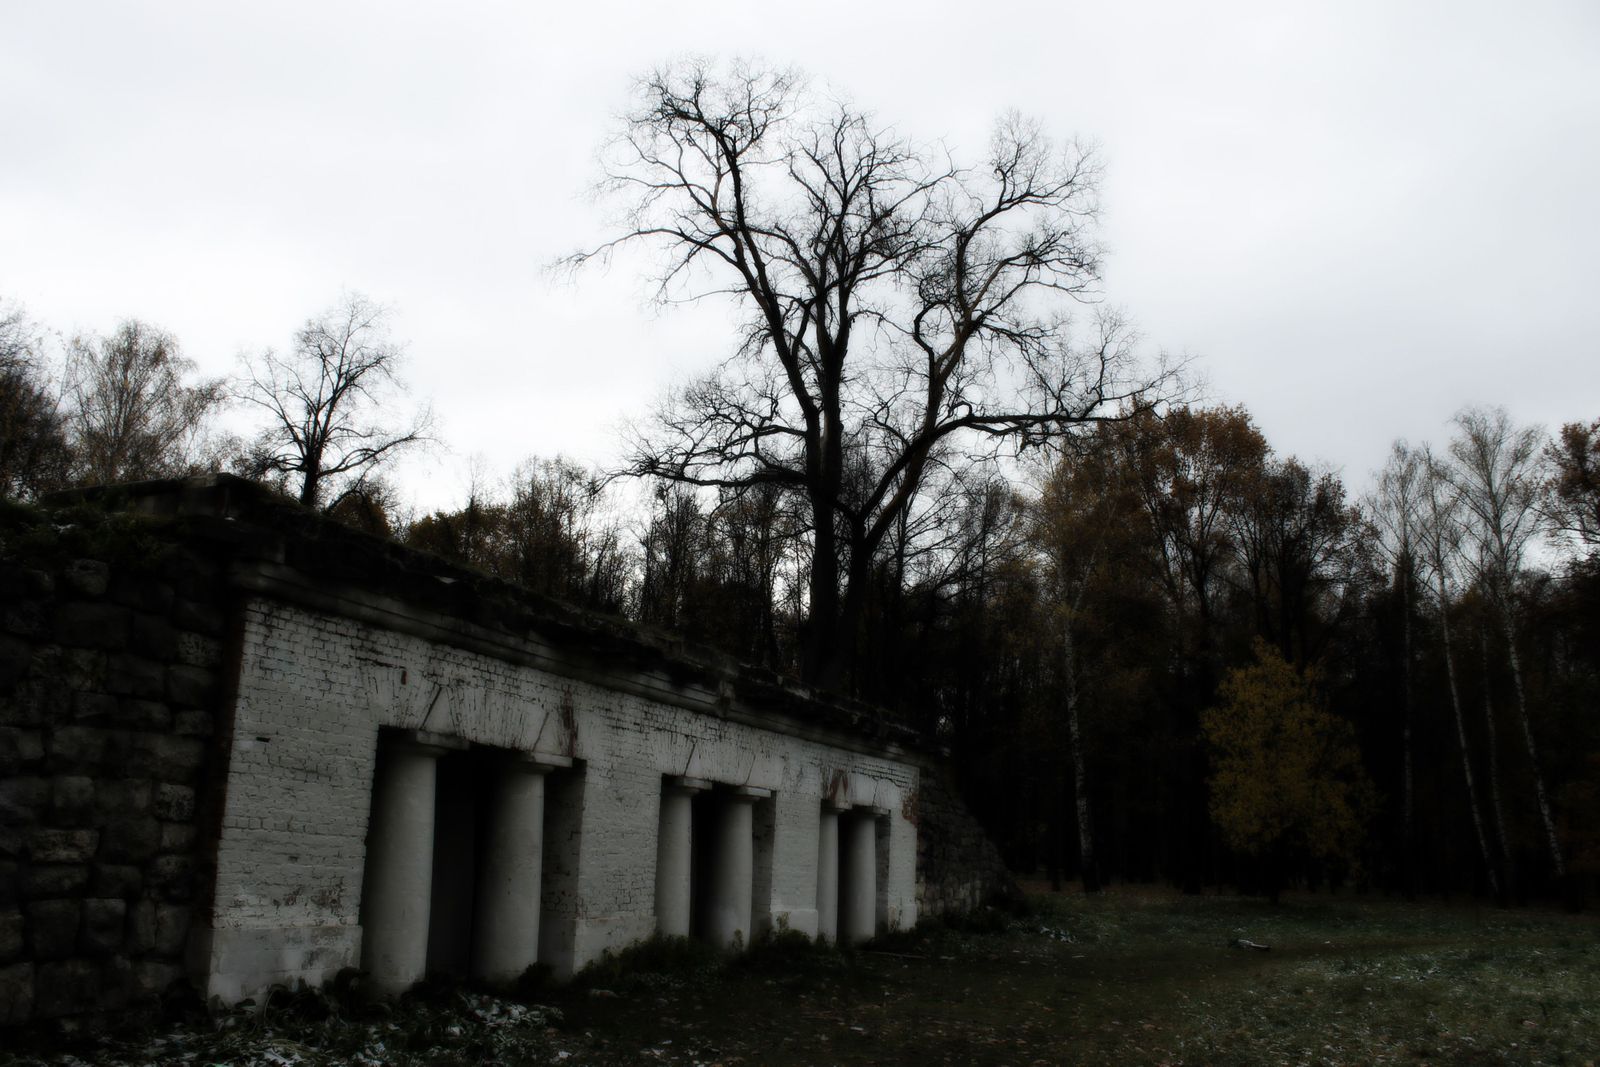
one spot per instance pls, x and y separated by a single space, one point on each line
1080 774
1272 870
820 663
1492 736
1055 851
1408 805
1489 867
311 481
1551 840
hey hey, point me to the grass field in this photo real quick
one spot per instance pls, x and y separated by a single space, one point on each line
1130 978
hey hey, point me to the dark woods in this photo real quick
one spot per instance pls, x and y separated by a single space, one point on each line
1170 654
1163 653
1156 649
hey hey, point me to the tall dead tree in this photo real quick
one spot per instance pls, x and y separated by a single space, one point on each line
1396 510
899 309
327 403
1497 469
1439 533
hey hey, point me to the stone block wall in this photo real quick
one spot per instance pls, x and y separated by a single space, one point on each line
191 699
958 868
110 657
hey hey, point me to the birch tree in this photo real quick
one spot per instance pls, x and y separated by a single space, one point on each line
1396 509
1497 469
1440 534
134 406
1079 514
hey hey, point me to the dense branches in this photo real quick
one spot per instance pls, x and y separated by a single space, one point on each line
130 410
327 427
550 533
898 308
34 454
1572 503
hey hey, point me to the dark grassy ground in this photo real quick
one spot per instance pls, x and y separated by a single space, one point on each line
1130 978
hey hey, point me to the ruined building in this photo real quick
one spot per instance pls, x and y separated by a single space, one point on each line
242 746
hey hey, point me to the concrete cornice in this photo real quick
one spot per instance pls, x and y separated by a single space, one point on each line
278 550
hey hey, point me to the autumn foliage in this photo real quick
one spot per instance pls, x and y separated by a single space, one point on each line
1286 781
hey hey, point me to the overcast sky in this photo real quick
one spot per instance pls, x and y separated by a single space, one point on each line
1357 216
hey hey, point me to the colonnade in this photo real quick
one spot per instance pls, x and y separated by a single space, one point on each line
399 873
505 924
847 900
728 908
847 873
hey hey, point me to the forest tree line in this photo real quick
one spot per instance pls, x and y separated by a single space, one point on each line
1157 650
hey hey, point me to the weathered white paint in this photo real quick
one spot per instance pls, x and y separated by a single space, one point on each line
506 933
733 868
828 873
858 899
399 895
674 852
314 690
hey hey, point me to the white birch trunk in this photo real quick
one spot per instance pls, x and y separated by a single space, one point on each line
1551 840
1466 753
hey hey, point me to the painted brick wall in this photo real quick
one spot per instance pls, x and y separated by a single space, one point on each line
154 824
314 690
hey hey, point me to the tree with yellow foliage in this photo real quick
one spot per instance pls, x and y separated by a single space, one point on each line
1287 783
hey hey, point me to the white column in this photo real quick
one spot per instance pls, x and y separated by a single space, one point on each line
733 879
399 874
858 899
674 852
506 921
828 873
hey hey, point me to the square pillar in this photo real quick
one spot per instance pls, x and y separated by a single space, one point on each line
399 874
674 853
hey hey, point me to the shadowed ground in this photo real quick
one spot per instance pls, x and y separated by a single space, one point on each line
1135 977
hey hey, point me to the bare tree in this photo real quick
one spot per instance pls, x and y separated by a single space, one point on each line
330 426
899 307
1300 545
1440 533
1396 510
34 456
131 413
1497 469
1078 516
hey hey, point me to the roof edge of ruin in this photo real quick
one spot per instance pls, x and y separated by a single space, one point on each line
272 542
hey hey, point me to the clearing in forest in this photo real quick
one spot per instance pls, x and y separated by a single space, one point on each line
1131 977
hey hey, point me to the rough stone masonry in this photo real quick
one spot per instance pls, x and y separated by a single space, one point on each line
241 746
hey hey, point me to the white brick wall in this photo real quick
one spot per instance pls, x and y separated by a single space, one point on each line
313 692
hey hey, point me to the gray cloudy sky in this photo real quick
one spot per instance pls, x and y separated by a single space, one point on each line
1358 216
